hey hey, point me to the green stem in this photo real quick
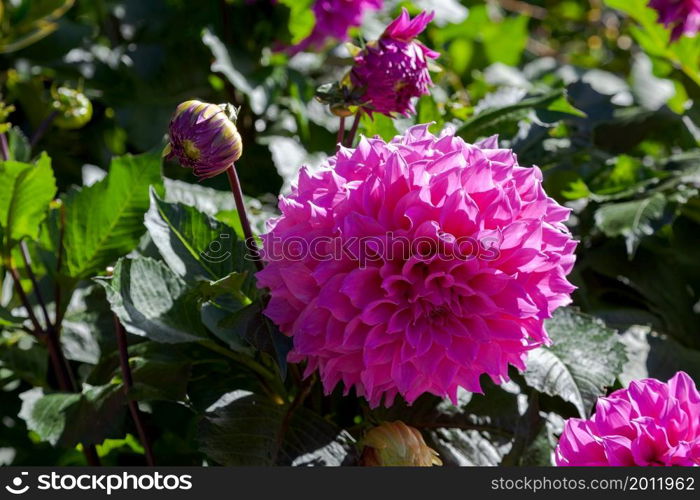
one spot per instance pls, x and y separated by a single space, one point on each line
242 359
353 131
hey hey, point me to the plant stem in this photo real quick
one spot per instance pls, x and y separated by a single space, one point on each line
353 131
128 386
23 298
242 359
303 393
341 132
35 283
66 382
59 263
43 127
251 245
4 149
60 366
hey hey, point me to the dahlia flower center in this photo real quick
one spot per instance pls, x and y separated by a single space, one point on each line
190 149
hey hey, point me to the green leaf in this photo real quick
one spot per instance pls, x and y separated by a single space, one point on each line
25 193
205 199
654 355
252 430
380 125
25 357
631 219
225 63
301 19
151 301
7 319
480 430
87 330
194 245
488 121
18 145
67 419
105 221
251 326
655 38
585 357
160 372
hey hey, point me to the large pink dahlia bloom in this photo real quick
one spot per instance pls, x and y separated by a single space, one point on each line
681 15
334 18
394 70
649 423
416 266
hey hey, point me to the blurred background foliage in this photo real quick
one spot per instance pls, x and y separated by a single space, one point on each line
590 90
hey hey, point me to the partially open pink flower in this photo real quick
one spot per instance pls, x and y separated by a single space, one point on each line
416 266
394 70
649 423
334 18
681 15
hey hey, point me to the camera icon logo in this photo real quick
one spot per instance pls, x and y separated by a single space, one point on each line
217 251
16 488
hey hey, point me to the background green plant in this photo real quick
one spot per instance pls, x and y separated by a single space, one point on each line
591 91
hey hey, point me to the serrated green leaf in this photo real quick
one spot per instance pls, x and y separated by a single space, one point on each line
252 430
483 123
105 221
194 245
631 219
584 359
151 301
25 193
61 418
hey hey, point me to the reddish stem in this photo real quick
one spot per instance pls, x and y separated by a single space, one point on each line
250 242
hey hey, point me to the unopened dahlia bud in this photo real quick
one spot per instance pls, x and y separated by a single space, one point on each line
394 444
73 108
204 137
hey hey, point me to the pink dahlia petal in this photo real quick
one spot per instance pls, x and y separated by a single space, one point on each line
411 302
650 423
682 16
394 70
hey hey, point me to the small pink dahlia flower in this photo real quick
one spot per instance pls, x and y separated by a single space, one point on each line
416 266
681 15
649 423
334 18
394 69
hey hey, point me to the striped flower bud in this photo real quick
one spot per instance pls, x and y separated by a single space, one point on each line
394 444
204 137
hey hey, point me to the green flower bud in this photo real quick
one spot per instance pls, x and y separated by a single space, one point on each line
395 444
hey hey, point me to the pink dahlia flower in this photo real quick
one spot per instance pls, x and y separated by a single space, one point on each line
681 15
649 423
394 70
416 266
334 18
